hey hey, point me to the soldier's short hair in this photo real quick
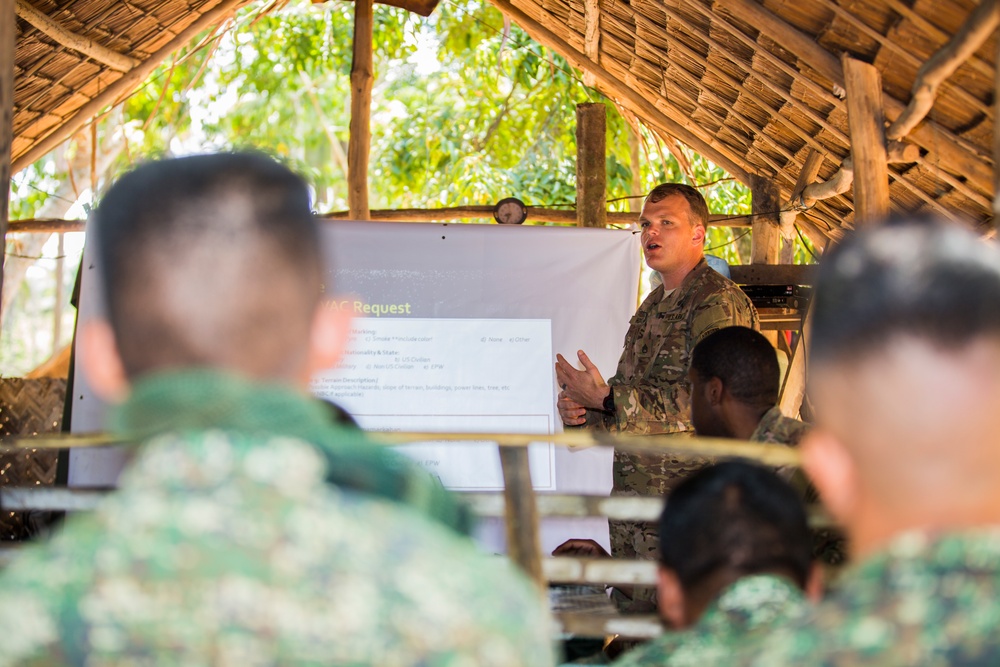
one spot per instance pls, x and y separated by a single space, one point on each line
917 277
735 517
744 360
696 202
211 261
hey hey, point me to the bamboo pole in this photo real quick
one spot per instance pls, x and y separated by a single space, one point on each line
523 543
359 145
867 124
591 165
123 86
675 124
8 43
88 47
537 214
591 36
974 32
765 237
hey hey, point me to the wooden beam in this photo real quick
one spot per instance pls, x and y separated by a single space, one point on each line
8 45
123 86
765 237
591 165
934 32
959 156
558 216
867 124
974 32
680 127
523 543
88 47
359 144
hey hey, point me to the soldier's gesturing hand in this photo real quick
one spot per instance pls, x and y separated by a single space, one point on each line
587 388
571 412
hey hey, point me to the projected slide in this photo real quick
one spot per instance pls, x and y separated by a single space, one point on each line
451 375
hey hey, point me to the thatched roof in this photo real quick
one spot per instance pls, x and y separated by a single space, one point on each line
753 85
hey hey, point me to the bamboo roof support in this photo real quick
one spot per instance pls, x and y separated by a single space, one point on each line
8 46
591 165
675 123
765 237
974 32
591 36
125 85
958 155
867 122
88 47
810 170
960 94
935 32
359 143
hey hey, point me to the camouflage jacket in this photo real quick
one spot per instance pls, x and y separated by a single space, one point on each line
750 608
228 548
925 600
775 428
650 386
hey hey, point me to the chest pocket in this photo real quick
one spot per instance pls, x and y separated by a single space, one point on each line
656 334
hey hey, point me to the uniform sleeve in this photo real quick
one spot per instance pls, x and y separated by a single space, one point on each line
660 403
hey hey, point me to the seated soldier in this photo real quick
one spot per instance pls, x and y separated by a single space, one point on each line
905 380
246 529
734 564
735 382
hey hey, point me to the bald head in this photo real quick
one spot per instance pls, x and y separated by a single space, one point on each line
905 376
210 261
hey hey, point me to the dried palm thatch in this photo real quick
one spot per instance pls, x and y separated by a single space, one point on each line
755 85
28 407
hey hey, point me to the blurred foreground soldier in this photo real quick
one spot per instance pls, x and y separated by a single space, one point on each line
227 543
735 382
734 562
905 379
648 395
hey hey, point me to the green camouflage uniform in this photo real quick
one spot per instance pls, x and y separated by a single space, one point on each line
926 600
749 609
230 547
651 395
777 429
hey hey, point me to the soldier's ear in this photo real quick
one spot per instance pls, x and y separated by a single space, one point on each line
714 390
670 597
831 468
699 235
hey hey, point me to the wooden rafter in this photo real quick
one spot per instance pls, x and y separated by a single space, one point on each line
934 32
591 36
88 47
867 123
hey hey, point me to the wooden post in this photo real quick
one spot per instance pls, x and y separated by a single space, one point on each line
523 543
591 169
359 146
866 121
636 166
8 43
765 237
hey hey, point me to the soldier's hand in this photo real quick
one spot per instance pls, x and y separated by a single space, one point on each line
586 387
571 412
584 548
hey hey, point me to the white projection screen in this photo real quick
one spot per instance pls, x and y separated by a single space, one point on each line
456 330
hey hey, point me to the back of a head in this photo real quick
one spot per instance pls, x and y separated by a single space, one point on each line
744 360
210 261
905 369
734 518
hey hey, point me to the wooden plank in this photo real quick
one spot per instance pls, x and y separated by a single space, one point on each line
8 43
591 165
523 543
868 154
359 143
782 274
564 569
123 86
765 235
631 626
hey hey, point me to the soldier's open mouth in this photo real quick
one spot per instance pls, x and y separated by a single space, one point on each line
652 246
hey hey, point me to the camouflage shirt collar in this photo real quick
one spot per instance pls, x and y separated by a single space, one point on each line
753 601
767 423
687 286
974 549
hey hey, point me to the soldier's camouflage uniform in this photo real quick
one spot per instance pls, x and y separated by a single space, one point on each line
229 546
924 601
777 429
651 395
750 609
